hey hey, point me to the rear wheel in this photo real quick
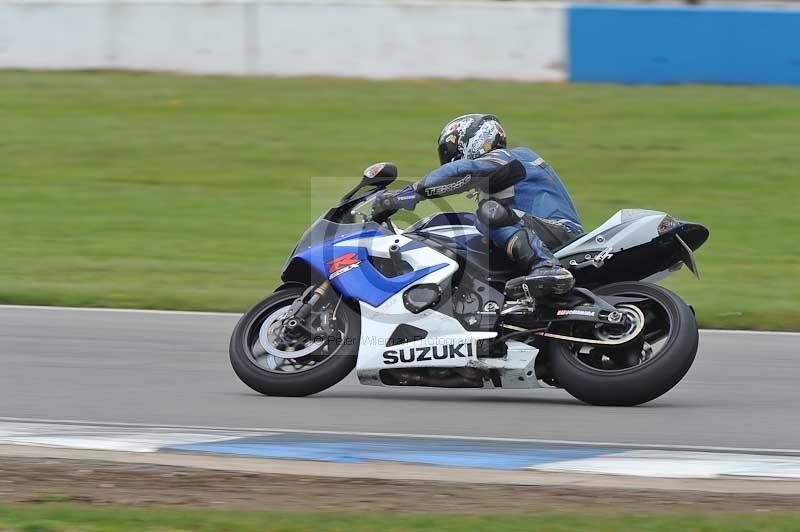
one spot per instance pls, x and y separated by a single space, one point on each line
648 366
272 361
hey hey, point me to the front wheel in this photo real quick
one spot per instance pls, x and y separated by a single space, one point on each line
273 362
638 371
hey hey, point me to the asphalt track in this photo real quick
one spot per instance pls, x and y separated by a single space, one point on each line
172 368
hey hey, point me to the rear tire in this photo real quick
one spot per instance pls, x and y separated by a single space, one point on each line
329 372
643 382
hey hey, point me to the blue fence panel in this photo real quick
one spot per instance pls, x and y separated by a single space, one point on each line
638 44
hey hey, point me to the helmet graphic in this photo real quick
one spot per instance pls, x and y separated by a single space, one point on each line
469 137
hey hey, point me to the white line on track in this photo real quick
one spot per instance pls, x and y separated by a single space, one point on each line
121 310
648 446
237 315
741 331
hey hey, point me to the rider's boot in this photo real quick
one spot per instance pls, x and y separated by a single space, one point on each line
546 276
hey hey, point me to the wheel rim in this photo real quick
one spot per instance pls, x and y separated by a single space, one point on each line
630 321
270 351
647 346
269 336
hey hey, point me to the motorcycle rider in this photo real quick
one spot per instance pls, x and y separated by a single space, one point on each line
523 207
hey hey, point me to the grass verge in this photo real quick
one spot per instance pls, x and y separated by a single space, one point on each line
128 190
61 517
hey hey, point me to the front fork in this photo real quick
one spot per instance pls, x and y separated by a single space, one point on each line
304 306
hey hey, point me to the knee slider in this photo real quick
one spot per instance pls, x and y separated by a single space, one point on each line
493 213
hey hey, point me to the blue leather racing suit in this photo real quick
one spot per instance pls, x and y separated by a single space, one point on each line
540 194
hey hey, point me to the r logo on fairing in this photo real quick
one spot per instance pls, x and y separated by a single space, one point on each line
421 354
342 264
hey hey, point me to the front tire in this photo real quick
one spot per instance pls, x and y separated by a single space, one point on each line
331 362
596 378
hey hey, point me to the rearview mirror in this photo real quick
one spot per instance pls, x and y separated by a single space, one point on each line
379 175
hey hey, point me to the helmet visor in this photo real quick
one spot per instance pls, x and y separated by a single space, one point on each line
448 151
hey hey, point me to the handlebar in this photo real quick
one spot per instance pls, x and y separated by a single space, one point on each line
382 217
369 197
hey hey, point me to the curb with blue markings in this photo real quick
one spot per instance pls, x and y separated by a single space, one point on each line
434 451
349 449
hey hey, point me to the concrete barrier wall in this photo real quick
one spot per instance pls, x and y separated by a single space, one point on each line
407 39
522 41
632 44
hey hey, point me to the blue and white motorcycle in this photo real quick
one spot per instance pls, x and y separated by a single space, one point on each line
425 307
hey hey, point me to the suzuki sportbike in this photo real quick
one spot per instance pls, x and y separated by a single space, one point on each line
425 306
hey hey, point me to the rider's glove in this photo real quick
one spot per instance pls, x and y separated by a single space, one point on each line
388 203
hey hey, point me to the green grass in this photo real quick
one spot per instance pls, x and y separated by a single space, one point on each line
48 518
161 191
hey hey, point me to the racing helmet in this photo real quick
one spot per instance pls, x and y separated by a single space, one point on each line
469 137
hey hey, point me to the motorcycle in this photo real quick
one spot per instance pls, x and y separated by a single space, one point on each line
425 306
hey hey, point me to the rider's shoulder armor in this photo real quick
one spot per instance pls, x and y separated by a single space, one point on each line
502 156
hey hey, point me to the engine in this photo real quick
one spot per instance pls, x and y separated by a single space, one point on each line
476 305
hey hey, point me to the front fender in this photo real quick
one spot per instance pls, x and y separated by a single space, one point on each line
291 284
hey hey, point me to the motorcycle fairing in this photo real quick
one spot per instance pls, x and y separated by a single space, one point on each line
637 245
378 325
345 262
379 321
516 370
625 229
